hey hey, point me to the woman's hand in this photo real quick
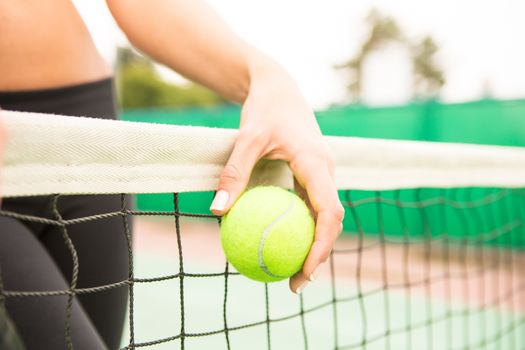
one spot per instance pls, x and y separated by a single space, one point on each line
276 123
189 37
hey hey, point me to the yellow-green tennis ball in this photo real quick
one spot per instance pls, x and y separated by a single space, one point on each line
267 234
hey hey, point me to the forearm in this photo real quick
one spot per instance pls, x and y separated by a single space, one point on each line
276 121
189 37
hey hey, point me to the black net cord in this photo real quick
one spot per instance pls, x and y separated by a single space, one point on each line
384 270
131 274
427 238
516 241
406 266
74 272
492 220
181 268
479 226
225 304
334 300
267 312
358 271
303 325
447 292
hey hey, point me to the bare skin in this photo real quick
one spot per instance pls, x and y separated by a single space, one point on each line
45 44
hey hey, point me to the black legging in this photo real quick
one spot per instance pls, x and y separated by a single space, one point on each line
34 257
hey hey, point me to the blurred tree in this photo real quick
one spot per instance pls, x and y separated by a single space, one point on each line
140 86
381 30
428 78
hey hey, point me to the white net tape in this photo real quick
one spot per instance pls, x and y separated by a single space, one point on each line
48 154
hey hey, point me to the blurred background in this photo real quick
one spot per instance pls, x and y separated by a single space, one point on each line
387 52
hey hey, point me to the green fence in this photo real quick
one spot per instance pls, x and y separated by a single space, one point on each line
482 122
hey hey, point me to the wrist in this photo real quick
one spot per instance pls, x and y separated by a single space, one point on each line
264 72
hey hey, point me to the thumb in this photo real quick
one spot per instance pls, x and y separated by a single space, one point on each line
236 174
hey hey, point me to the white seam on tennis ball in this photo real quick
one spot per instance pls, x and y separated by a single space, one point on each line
265 234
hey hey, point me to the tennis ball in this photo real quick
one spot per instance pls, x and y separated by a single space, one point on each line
267 233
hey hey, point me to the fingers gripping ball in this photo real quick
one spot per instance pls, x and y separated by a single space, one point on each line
267 234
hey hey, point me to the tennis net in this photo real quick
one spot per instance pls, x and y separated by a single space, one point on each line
432 256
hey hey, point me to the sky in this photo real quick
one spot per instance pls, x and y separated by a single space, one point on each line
482 43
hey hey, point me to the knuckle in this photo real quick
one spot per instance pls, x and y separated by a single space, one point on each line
254 137
318 155
339 213
325 248
303 161
326 254
335 214
296 163
316 158
230 175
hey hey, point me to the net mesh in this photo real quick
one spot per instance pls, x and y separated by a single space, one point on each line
417 269
432 254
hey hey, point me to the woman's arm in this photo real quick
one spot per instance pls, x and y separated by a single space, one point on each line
190 38
276 122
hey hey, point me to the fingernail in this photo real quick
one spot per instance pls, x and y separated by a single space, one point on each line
300 289
220 200
313 276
